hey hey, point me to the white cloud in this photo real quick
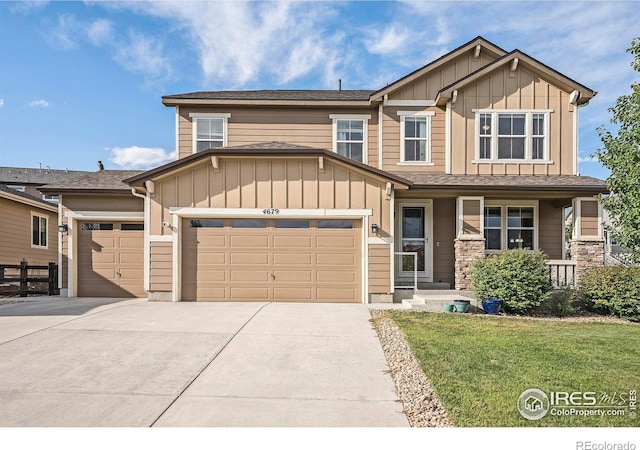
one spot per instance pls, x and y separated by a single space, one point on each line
587 159
135 157
390 40
1 102
39 104
64 34
100 31
143 54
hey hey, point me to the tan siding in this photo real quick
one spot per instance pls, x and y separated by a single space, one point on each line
589 218
444 231
161 267
427 87
524 90
471 216
301 126
379 269
391 140
278 183
15 223
551 222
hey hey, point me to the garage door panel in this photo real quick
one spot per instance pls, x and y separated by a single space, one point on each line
130 258
293 294
336 276
249 275
249 241
204 275
98 240
97 258
249 293
335 242
297 259
336 259
292 241
300 276
203 257
334 294
252 258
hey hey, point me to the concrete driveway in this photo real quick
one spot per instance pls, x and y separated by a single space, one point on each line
105 362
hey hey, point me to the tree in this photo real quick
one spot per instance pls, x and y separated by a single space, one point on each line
621 155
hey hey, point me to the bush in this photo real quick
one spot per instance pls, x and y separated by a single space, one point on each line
612 290
560 303
520 278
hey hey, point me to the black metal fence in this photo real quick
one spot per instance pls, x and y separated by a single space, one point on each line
25 279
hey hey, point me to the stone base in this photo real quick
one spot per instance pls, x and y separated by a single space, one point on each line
587 254
467 250
160 296
380 298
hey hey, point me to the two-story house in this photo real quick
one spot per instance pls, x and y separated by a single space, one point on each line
342 195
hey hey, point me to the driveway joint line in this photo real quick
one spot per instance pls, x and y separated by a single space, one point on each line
65 322
206 366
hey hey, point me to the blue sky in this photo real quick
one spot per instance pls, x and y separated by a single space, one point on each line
82 81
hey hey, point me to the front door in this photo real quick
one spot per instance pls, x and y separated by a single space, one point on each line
415 239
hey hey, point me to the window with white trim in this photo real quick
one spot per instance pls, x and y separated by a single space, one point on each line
512 135
209 130
350 136
508 227
39 230
415 137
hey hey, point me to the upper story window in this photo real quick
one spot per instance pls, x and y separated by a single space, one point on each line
39 230
350 135
209 130
512 135
415 137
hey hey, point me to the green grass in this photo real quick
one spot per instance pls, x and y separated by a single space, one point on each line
479 365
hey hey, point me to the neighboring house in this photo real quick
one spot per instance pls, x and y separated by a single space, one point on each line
29 228
28 180
310 195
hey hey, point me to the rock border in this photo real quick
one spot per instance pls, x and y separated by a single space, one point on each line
421 404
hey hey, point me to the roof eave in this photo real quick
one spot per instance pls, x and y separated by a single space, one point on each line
27 201
244 102
55 190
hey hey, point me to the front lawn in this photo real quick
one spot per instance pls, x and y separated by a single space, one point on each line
480 365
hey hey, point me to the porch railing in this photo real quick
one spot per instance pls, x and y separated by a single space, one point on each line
562 273
399 266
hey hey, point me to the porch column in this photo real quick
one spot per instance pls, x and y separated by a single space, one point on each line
467 250
587 243
469 244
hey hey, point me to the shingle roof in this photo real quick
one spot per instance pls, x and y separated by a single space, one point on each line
273 145
103 181
26 175
8 190
277 94
518 182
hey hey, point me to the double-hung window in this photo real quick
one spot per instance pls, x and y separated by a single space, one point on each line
39 230
508 227
350 136
209 130
512 135
415 137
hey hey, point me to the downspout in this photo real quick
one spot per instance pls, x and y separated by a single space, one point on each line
147 250
380 131
447 139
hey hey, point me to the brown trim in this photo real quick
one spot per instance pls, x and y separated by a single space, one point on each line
346 103
586 93
139 180
84 191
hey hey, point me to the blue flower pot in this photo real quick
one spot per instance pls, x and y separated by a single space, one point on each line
491 305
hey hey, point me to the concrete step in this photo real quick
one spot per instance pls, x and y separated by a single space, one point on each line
436 301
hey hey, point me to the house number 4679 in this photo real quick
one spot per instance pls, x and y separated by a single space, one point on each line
271 211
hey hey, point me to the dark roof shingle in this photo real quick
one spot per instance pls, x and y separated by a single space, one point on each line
26 175
94 182
5 188
277 94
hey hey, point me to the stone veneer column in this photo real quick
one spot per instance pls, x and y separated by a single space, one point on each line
467 250
587 254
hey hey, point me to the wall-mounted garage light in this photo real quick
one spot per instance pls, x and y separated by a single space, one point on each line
64 228
375 228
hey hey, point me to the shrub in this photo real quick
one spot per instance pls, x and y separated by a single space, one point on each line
560 303
612 290
519 278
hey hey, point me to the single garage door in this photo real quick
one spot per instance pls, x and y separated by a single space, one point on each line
111 259
271 260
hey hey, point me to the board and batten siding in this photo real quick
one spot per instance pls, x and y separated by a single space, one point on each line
427 87
589 218
550 224
525 90
16 224
95 203
299 126
471 215
444 234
